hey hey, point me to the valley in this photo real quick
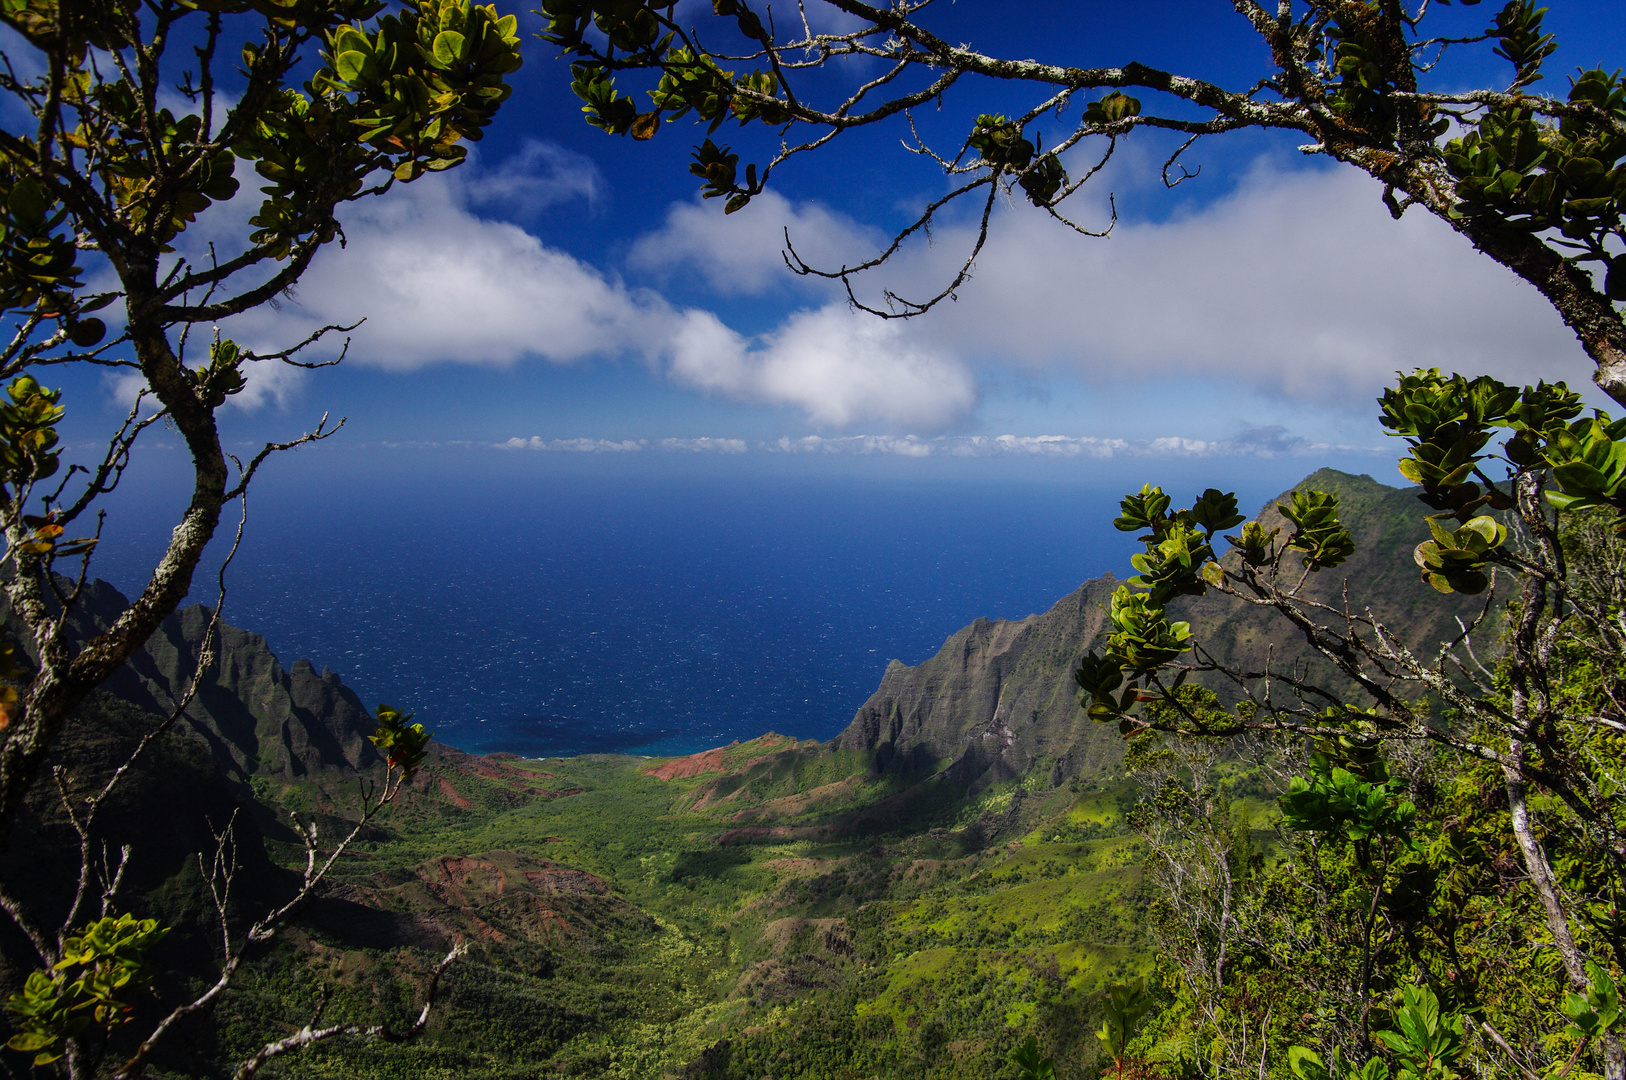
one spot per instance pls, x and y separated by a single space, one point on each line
952 873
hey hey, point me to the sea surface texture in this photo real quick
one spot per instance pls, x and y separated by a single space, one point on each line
549 616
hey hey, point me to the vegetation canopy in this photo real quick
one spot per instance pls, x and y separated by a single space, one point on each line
1408 793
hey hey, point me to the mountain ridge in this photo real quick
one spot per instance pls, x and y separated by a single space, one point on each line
998 699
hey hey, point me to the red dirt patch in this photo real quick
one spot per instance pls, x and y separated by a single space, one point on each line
716 760
452 796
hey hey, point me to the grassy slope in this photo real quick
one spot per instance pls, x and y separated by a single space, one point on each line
798 948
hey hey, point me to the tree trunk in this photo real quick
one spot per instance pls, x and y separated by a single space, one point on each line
1540 872
63 678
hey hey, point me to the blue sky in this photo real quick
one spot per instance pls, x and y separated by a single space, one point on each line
567 297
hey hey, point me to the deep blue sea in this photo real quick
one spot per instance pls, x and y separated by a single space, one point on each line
658 614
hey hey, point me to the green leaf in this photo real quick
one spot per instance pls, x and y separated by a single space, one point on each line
1306 1064
349 65
87 332
448 48
1029 1063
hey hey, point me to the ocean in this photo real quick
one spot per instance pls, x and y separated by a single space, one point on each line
561 613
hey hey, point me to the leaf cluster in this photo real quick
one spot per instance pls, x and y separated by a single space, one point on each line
640 34
99 966
1447 422
1178 548
403 743
1348 790
1000 144
1536 175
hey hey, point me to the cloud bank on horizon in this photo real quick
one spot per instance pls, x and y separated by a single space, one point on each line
1297 285
1274 441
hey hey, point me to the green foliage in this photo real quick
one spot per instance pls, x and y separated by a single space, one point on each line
641 34
1454 561
396 95
694 83
1447 423
222 376
417 84
1349 790
1427 1046
999 144
1532 174
1383 919
1370 67
718 167
1123 1006
1112 108
1177 561
1144 638
1522 42
403 743
1316 529
38 261
28 435
1306 1064
1254 545
1588 458
1596 1011
99 966
1032 1064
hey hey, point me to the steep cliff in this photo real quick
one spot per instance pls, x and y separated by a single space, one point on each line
255 716
998 699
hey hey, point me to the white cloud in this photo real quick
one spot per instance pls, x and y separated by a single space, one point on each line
575 446
741 254
841 367
541 175
898 445
1272 443
123 385
704 445
1298 285
268 381
438 283
1038 446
